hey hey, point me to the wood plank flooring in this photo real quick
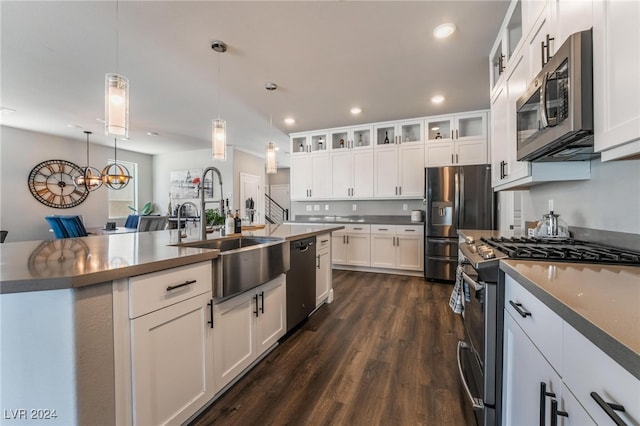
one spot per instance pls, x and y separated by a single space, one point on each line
383 353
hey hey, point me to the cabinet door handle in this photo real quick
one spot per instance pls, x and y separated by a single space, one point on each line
549 39
347 239
344 239
452 158
518 307
457 137
609 408
324 241
262 300
543 401
399 190
542 54
409 230
456 158
210 305
318 262
173 287
256 300
452 135
555 412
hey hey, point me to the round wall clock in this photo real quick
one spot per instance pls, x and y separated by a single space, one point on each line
51 183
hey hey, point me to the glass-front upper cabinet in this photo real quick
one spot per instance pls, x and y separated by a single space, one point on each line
457 127
506 42
399 132
351 137
302 143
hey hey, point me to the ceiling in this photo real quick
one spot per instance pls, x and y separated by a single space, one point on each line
325 57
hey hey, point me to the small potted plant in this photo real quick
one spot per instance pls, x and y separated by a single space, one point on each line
214 219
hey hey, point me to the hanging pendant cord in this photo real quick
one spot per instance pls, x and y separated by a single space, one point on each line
117 32
87 149
218 88
115 151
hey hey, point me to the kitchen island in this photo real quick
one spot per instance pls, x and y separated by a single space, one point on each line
78 314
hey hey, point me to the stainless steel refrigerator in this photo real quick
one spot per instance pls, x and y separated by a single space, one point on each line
458 197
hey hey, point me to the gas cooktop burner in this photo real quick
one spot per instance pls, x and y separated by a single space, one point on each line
562 250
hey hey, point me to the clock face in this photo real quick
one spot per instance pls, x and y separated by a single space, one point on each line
51 183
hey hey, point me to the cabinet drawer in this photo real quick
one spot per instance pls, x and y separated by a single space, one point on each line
358 229
541 324
383 229
586 369
157 290
416 230
323 242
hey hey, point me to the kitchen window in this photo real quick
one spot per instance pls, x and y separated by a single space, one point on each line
121 199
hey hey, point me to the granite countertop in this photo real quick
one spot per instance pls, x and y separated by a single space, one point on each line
380 220
599 301
76 262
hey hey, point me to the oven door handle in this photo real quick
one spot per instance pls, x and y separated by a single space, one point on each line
475 284
543 101
476 403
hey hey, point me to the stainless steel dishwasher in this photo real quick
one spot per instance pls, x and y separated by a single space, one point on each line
301 281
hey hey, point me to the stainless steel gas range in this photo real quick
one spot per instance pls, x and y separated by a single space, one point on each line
480 356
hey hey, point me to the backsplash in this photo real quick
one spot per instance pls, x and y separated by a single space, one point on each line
609 201
363 208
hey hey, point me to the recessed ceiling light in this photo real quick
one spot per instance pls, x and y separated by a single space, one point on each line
444 30
289 121
277 148
435 128
101 120
125 139
74 126
437 99
356 110
152 133
5 109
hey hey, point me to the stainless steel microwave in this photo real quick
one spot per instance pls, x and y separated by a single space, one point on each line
555 114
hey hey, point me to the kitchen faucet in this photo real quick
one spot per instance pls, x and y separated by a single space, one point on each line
203 216
180 211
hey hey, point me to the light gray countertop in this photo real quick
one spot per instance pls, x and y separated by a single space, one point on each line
76 262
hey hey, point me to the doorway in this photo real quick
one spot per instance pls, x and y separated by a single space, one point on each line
251 188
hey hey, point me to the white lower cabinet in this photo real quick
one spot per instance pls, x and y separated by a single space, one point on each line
323 267
351 246
172 362
526 371
397 247
245 326
548 364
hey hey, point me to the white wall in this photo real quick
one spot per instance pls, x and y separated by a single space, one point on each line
164 164
280 178
609 201
20 150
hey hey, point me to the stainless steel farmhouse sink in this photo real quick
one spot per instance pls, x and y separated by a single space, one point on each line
245 262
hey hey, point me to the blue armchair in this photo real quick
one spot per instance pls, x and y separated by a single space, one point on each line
74 226
132 221
55 223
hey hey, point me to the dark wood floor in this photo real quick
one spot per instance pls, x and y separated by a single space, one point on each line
383 353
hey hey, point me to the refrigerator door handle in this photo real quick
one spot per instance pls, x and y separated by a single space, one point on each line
456 202
461 198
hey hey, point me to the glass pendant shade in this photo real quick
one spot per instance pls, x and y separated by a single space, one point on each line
116 106
88 177
115 176
271 159
219 140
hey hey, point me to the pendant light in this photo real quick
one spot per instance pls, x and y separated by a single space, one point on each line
88 177
116 97
272 167
115 176
219 126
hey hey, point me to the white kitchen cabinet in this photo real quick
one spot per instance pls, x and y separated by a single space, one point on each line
309 180
525 371
309 142
352 174
323 267
607 378
398 132
506 44
459 139
359 137
397 247
245 326
351 246
165 350
507 172
616 86
172 362
399 171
